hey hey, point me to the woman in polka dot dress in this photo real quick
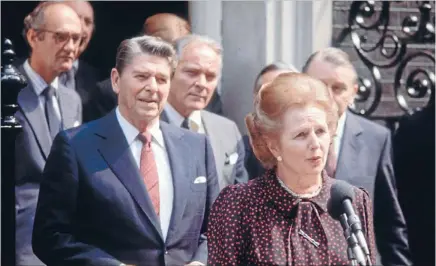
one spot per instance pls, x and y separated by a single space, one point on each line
281 218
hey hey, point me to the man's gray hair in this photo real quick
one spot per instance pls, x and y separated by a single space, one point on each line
331 55
182 42
275 66
145 44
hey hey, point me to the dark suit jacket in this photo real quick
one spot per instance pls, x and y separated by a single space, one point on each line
414 161
252 164
365 161
226 144
32 147
86 79
104 99
93 208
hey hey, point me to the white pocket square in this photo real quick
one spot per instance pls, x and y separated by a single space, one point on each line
76 124
200 179
232 158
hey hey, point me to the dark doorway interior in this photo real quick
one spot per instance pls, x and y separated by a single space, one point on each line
114 21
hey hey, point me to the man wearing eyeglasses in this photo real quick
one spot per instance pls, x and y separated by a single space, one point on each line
53 32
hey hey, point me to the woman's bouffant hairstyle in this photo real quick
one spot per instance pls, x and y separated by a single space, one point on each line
288 90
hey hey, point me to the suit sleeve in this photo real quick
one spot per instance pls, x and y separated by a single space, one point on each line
54 240
389 223
239 171
212 193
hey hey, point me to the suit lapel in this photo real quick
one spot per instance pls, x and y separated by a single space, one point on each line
32 110
116 152
68 107
350 148
181 167
212 131
164 117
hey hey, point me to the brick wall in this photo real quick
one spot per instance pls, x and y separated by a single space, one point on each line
398 11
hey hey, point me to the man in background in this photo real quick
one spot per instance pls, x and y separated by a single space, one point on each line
192 86
53 32
361 154
83 77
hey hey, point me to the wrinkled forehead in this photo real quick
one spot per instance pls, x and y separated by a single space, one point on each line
330 73
301 116
62 18
146 63
200 54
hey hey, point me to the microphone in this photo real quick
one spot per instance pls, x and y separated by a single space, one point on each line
354 251
342 195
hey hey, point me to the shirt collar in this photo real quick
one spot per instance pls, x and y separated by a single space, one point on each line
177 119
131 132
341 124
76 65
283 201
38 83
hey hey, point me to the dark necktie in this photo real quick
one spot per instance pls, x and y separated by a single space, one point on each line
54 123
67 79
148 170
185 123
331 161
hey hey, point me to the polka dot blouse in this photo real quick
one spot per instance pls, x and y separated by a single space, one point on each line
260 223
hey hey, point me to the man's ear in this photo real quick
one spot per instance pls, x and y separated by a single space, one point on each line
115 79
31 36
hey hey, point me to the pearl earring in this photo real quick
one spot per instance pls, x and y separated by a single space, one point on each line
279 158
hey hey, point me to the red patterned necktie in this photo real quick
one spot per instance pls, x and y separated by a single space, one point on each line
331 161
148 169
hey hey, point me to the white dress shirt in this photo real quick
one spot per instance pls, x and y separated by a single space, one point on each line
166 190
194 118
39 85
339 134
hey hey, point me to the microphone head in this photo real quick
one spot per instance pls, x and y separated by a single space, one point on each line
339 192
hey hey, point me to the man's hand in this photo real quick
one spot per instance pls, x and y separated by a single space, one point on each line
195 263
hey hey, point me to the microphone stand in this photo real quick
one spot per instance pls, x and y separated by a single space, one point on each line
351 257
354 251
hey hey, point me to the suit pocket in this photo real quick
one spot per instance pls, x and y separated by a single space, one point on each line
199 187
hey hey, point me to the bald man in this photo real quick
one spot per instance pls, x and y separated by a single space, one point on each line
53 31
167 26
83 77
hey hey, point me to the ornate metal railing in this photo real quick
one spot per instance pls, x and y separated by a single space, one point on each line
384 49
11 84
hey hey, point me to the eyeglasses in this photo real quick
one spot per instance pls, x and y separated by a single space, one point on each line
63 37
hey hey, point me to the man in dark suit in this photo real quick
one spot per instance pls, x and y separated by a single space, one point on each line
83 77
414 157
266 75
194 81
128 188
169 27
361 154
45 107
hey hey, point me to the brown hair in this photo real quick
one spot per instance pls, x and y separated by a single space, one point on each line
130 48
288 90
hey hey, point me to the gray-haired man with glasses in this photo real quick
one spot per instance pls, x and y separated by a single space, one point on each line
53 32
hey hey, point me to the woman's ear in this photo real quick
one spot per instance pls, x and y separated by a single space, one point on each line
273 146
